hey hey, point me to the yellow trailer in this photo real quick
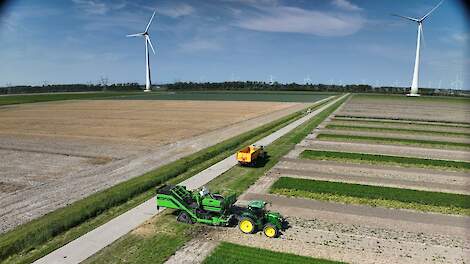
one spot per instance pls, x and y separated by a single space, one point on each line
250 154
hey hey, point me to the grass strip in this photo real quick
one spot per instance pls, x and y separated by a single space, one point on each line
384 159
396 130
229 253
35 98
398 141
381 119
16 243
397 122
236 180
373 195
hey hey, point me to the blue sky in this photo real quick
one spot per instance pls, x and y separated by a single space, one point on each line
325 41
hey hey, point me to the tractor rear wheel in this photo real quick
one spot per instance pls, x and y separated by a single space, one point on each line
184 218
270 230
246 225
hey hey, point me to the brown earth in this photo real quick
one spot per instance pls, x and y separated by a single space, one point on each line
447 110
58 152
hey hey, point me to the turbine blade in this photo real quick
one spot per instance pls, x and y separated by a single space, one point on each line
148 25
151 46
432 10
406 17
135 35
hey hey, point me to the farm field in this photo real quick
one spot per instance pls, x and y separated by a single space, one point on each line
232 96
34 98
54 153
337 192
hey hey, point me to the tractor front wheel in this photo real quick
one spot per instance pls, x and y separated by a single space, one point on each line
184 218
246 225
271 230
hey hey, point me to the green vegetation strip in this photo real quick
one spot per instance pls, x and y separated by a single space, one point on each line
397 130
384 159
381 119
229 253
43 235
138 248
374 195
398 141
34 98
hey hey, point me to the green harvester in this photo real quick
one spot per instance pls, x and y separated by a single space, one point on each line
214 209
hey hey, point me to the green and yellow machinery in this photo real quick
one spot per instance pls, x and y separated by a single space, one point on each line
214 209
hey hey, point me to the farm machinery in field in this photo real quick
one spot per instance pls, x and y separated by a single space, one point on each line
248 156
213 209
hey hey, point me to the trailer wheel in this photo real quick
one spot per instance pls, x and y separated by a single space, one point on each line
270 230
184 218
246 225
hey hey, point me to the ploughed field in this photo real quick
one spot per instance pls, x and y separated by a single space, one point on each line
384 179
54 153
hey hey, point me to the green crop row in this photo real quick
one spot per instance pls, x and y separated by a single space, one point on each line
374 192
349 193
397 130
236 180
35 233
229 253
384 159
399 141
388 120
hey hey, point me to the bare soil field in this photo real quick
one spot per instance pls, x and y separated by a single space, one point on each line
58 152
394 107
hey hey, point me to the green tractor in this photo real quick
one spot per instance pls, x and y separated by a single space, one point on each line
214 209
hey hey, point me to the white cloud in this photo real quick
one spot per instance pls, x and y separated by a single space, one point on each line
199 45
176 10
297 20
96 7
346 5
463 37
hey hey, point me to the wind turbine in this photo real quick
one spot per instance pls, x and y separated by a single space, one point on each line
145 35
415 82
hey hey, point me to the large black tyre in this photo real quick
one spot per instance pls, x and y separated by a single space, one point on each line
184 218
246 225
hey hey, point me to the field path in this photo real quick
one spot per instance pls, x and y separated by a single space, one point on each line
92 242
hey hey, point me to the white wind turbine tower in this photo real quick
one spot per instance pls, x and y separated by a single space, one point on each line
414 84
145 35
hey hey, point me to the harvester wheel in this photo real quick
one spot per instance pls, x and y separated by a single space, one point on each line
246 225
184 218
270 230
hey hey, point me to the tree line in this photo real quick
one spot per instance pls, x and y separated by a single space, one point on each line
230 86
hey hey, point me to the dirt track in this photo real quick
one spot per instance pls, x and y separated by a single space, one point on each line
41 172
